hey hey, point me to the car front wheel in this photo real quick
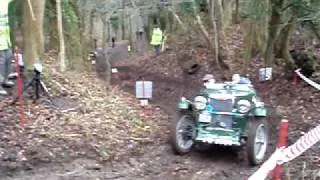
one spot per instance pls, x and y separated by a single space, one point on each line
257 141
183 133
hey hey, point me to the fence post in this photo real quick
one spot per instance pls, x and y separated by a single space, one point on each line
19 85
282 142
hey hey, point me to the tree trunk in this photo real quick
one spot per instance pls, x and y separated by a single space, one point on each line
178 19
62 56
283 50
92 14
272 31
106 58
249 41
216 35
220 30
237 15
81 24
227 13
122 21
33 31
51 6
220 63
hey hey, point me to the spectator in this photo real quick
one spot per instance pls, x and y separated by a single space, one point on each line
5 46
113 39
156 41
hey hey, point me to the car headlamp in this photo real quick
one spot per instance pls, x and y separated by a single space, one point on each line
243 106
200 102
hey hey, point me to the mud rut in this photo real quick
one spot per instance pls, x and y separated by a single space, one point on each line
158 162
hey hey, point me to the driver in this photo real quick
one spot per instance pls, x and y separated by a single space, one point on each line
208 80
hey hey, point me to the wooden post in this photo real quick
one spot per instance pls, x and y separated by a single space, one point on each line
19 86
282 141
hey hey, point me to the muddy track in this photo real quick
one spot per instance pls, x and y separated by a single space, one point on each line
158 161
217 163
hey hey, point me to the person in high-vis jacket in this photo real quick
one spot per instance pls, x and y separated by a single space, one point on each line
156 40
5 46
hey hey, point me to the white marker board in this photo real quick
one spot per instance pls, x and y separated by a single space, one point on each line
265 74
144 89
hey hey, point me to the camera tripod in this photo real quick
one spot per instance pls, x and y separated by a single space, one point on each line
36 84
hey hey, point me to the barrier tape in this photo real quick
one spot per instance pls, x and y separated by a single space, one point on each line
303 144
283 155
309 81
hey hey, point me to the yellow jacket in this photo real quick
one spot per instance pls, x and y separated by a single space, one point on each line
156 37
5 42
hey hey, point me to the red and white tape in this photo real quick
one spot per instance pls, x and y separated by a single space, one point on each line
309 81
303 144
283 155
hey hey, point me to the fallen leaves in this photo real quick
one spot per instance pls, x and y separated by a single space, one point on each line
88 121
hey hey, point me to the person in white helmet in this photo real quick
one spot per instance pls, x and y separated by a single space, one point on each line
237 79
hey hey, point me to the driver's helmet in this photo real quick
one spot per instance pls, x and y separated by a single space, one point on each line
236 78
208 80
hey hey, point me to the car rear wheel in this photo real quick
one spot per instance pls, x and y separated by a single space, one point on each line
257 141
183 133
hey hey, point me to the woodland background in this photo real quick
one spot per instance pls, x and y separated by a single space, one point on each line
98 130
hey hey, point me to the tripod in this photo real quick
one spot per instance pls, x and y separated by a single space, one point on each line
37 85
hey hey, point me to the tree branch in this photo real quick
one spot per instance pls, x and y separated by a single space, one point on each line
178 19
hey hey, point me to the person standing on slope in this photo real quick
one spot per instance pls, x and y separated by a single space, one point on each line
5 47
156 40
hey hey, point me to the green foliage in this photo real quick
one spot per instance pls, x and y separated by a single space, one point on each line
258 9
15 18
115 21
15 13
69 13
186 6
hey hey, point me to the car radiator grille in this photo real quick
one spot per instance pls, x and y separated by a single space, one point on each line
223 121
222 105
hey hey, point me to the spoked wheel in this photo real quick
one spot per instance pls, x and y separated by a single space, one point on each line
183 133
257 141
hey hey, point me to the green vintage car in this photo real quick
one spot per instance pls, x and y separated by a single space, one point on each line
225 114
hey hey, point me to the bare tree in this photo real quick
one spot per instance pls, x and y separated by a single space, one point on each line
62 56
33 31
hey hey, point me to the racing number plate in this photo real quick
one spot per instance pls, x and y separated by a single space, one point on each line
206 118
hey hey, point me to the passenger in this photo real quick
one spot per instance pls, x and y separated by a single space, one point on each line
237 79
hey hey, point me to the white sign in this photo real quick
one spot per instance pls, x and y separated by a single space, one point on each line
265 74
144 89
114 70
144 102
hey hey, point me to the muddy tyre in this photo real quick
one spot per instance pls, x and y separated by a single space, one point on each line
183 133
257 143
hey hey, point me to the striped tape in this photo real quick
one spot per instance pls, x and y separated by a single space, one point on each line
309 81
283 155
303 144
